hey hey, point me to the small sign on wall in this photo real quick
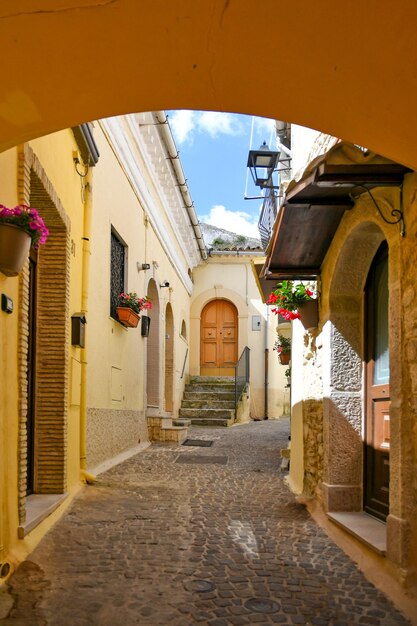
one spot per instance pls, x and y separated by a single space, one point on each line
256 322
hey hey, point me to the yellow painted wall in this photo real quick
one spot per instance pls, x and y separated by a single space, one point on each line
9 367
201 60
55 155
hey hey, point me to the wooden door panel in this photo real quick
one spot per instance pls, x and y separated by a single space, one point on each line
210 333
210 353
218 335
377 418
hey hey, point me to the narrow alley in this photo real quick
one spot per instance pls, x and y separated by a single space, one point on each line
185 535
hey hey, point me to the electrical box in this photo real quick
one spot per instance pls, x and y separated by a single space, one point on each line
145 325
6 303
256 322
78 322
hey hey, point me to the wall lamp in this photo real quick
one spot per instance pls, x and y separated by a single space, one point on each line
142 266
262 164
164 284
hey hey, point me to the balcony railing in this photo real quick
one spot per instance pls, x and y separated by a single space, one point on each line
242 373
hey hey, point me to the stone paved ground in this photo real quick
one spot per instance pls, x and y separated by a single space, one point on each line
156 542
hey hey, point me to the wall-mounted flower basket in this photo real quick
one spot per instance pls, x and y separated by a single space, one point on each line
14 248
127 316
284 357
309 314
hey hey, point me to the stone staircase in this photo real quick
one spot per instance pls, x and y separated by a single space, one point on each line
209 401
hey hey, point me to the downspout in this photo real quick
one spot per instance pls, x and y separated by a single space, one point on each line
173 155
266 363
86 254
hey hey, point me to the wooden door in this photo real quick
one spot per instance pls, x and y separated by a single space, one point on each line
218 353
377 418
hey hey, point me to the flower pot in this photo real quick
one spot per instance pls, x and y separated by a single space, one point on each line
127 316
14 248
284 357
309 314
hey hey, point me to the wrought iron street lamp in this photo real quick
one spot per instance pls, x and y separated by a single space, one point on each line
262 164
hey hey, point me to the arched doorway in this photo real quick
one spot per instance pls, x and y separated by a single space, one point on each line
343 406
169 358
43 347
152 349
377 388
218 338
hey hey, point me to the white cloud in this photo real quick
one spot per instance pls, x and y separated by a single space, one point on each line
236 221
185 123
265 128
182 123
215 123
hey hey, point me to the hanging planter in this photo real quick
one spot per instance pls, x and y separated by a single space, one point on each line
284 357
20 229
309 314
14 249
129 307
127 316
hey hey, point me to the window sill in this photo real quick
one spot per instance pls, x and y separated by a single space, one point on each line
38 508
364 527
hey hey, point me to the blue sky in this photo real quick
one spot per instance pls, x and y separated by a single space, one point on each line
213 149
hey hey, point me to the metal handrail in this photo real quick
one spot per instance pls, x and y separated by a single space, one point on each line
242 374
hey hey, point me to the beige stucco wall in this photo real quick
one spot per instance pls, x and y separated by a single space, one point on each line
230 276
116 396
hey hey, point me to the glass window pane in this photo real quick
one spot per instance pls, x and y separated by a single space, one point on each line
381 370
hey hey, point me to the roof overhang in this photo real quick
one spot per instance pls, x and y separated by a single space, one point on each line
314 206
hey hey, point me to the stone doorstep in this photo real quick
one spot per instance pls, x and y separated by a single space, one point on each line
38 508
364 527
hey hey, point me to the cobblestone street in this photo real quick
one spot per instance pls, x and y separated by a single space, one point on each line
159 540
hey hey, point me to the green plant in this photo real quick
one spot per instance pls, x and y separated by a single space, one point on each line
28 219
134 302
288 376
282 344
289 296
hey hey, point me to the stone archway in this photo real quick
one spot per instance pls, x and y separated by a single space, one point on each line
153 349
201 60
169 359
343 397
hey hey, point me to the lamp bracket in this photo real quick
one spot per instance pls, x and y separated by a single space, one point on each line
397 215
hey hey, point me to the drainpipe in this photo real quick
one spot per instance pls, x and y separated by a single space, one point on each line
266 363
86 253
173 155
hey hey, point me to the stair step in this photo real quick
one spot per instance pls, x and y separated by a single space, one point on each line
208 404
215 413
212 380
209 389
206 421
209 395
181 422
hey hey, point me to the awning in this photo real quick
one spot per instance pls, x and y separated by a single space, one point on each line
315 204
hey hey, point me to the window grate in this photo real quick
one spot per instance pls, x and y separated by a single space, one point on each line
117 272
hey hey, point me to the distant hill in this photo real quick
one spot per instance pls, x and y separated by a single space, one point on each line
220 239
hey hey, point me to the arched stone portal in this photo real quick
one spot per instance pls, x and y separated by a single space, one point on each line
343 413
152 370
169 358
201 59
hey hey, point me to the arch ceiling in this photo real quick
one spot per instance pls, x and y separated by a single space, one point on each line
349 69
